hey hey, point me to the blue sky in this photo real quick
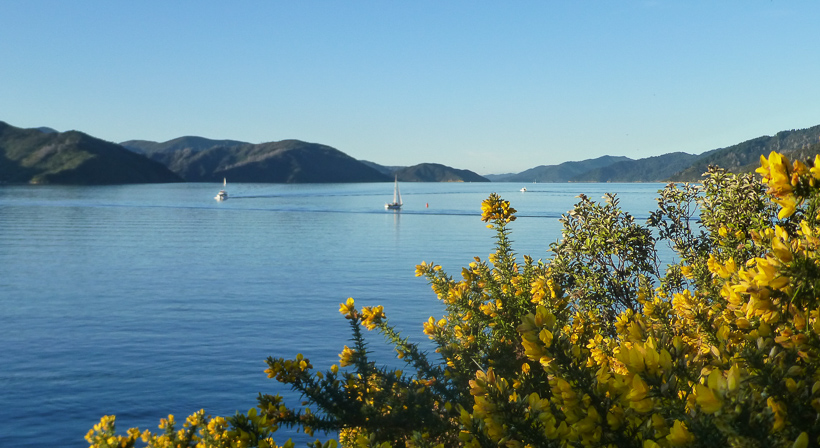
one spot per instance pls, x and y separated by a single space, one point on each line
493 87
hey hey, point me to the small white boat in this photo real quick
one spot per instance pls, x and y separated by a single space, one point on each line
396 204
222 195
524 189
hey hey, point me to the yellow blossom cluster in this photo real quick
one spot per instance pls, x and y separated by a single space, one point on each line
496 209
788 183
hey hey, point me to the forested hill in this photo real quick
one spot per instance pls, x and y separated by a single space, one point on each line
743 156
650 169
678 166
188 143
434 172
564 172
201 159
286 161
44 156
177 153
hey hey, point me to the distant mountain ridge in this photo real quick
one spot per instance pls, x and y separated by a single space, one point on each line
198 159
564 172
193 159
650 169
389 170
678 166
190 143
286 161
737 158
428 172
44 156
434 172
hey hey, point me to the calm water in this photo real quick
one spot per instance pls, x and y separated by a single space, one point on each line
146 300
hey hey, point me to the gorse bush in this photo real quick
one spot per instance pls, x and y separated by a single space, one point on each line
598 346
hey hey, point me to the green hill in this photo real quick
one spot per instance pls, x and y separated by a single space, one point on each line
287 161
679 166
45 157
650 169
434 172
564 172
389 170
190 143
742 156
176 153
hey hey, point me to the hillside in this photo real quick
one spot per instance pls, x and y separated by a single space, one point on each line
50 157
389 170
650 169
177 153
287 161
43 155
189 143
739 157
679 166
434 172
564 172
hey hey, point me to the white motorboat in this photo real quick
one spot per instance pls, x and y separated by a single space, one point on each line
222 195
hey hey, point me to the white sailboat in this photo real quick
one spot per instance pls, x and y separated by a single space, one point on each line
222 195
396 204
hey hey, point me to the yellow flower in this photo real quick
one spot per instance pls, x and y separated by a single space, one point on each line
639 389
706 398
422 268
430 327
788 206
347 308
372 316
815 169
346 357
802 441
679 435
496 209
779 411
776 174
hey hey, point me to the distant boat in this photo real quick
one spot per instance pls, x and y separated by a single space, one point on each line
222 195
396 204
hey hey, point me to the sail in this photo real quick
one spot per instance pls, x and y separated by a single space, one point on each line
397 193
396 204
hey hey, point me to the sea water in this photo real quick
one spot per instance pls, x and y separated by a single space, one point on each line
148 300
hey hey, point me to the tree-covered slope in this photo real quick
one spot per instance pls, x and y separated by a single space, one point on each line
650 169
188 143
389 170
177 153
564 172
287 161
34 156
739 157
434 172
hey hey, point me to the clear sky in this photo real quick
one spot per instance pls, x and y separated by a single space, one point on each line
490 86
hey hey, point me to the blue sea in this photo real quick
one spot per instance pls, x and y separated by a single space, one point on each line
148 300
